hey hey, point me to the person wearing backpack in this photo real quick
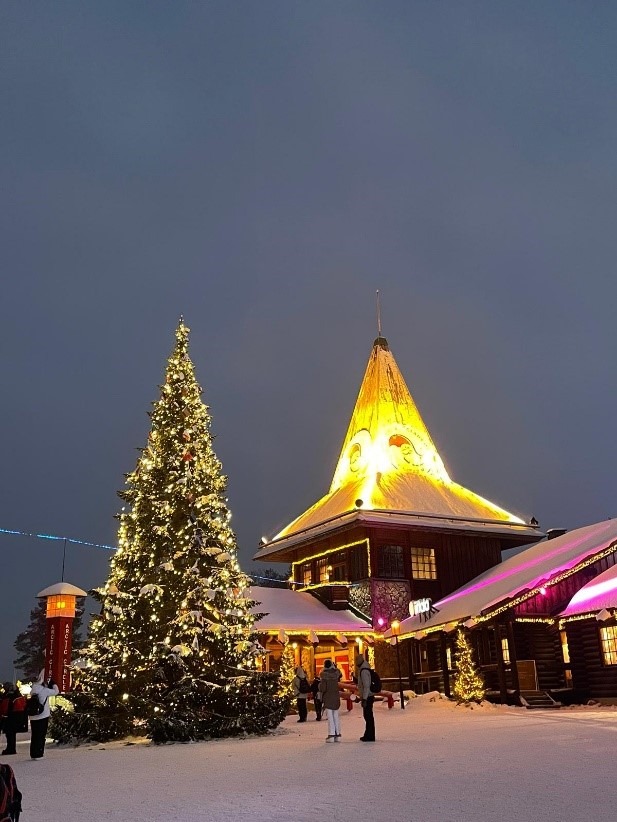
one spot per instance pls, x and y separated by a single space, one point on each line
12 711
363 672
302 689
39 721
10 796
330 677
317 698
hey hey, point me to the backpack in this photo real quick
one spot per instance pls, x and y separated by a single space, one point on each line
304 687
34 707
10 797
375 682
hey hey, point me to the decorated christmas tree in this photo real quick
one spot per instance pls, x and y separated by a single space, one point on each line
469 685
172 653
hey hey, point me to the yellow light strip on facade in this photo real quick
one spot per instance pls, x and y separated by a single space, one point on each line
546 620
307 631
324 585
578 617
333 551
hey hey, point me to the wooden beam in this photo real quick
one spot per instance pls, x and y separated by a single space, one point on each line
444 665
513 657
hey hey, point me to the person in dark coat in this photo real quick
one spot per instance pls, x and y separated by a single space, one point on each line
330 678
302 688
10 796
12 712
363 672
317 700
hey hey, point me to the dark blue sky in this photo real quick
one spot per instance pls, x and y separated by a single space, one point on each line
263 167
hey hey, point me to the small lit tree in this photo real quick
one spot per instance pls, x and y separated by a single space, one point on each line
287 672
468 685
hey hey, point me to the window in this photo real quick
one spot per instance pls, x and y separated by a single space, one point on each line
338 566
358 563
423 563
323 573
306 573
505 650
390 562
608 639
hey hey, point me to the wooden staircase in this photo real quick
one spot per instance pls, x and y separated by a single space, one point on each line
538 699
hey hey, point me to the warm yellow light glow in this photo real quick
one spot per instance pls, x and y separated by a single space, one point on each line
329 551
389 461
60 605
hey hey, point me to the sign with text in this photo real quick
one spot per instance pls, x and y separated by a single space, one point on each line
422 608
58 651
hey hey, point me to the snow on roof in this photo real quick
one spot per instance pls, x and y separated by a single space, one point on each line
600 593
62 588
297 610
523 572
390 463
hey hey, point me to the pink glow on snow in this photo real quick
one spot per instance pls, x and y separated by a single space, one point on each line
518 567
593 596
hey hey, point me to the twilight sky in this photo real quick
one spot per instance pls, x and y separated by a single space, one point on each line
263 167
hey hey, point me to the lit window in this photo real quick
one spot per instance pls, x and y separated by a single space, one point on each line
565 651
608 638
505 650
423 563
307 573
323 569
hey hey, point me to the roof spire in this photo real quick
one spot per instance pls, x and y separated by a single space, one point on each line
378 314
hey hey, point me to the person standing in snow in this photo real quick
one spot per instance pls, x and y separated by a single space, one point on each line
363 672
39 722
317 699
330 677
12 713
302 689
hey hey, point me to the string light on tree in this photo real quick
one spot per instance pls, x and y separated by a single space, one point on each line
173 652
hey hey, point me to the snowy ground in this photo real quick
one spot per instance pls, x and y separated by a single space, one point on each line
432 762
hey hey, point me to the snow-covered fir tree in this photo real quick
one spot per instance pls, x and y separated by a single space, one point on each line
173 652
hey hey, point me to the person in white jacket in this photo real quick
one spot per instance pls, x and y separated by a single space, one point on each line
39 722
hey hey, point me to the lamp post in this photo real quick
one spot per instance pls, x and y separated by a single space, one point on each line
395 630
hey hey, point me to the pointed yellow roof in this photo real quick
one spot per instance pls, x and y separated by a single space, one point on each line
389 464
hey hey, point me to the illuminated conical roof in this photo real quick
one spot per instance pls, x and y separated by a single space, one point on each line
389 463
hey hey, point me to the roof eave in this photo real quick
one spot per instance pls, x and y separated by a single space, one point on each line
437 521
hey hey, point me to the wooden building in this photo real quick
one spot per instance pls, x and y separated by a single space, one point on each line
590 625
313 631
393 527
527 635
